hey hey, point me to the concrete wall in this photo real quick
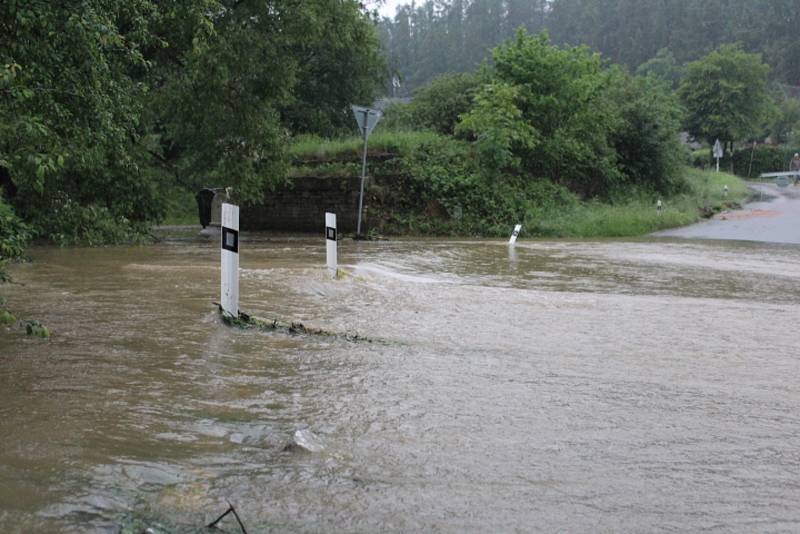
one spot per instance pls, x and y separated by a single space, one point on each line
301 206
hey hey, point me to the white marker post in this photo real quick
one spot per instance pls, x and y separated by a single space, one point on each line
230 260
515 234
331 243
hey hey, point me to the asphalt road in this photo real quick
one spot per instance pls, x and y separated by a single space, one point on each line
776 219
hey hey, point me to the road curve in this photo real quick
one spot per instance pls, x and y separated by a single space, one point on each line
776 219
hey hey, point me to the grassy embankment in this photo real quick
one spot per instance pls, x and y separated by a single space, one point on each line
182 207
639 217
634 216
308 147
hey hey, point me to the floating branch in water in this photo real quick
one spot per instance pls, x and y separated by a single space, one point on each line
249 321
230 510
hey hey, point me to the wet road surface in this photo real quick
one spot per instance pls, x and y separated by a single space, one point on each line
773 218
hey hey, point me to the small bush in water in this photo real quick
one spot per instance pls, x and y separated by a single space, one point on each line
35 328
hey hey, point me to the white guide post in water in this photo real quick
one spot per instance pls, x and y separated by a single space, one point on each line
230 260
515 234
331 243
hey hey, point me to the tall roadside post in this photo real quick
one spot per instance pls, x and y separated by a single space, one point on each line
230 260
367 119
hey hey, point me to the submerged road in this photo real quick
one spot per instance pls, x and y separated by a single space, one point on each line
773 220
562 386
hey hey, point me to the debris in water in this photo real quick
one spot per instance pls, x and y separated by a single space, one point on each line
35 328
306 440
7 318
249 321
230 510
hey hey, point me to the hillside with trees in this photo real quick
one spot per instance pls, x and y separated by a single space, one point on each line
432 37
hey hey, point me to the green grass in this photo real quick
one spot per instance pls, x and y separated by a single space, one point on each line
639 216
708 186
181 208
308 147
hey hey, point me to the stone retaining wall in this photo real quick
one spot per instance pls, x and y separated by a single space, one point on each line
301 206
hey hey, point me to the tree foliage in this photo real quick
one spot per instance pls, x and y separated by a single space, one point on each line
785 124
649 150
440 104
107 104
501 133
70 104
552 107
726 95
557 113
256 74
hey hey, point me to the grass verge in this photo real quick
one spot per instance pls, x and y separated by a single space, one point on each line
310 147
181 208
639 216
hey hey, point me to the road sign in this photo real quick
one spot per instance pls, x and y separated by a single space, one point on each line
719 152
331 243
229 282
515 234
367 119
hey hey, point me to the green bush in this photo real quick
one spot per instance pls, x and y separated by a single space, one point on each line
559 114
439 105
637 215
14 234
397 117
70 223
181 207
312 147
648 147
443 179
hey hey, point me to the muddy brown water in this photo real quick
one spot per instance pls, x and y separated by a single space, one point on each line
555 386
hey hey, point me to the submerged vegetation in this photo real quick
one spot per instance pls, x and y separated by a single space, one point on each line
246 321
14 235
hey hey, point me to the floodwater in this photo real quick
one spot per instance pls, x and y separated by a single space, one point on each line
555 386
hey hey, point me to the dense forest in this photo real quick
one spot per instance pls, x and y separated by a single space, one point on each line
432 37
